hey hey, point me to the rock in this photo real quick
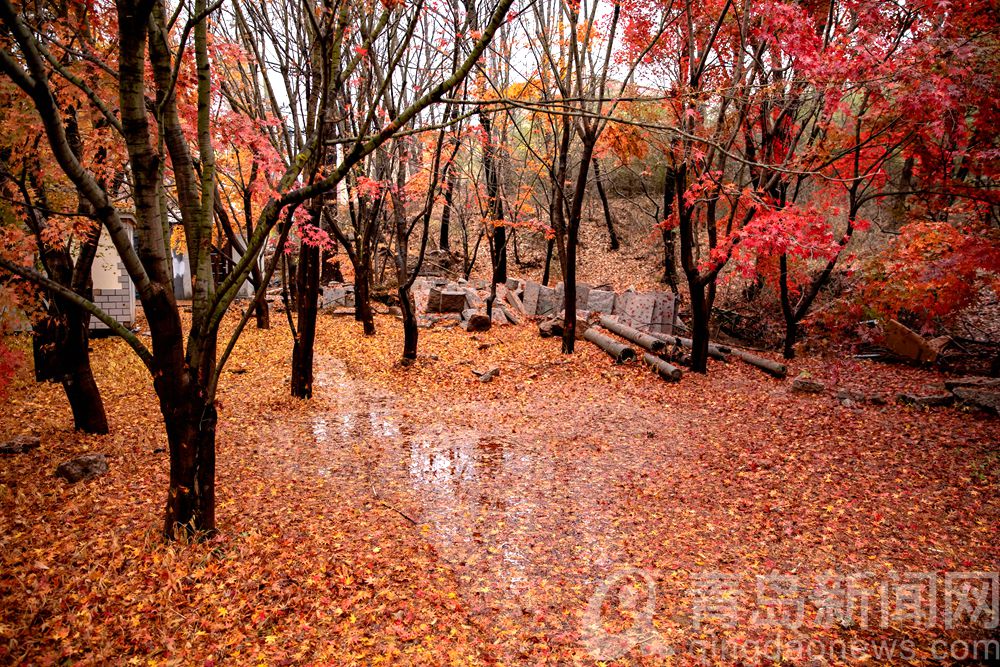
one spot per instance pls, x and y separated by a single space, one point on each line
82 467
639 311
908 344
395 311
499 316
530 298
514 284
444 319
445 300
549 301
975 382
337 296
509 314
478 322
939 345
582 296
664 304
621 303
550 328
984 399
472 298
515 302
806 385
848 403
926 401
878 399
851 395
601 301
487 376
20 444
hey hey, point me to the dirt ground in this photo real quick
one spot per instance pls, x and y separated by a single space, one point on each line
568 512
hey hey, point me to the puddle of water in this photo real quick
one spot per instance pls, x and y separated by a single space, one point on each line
513 516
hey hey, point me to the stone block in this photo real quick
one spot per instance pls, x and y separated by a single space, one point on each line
663 313
549 301
444 300
530 298
601 301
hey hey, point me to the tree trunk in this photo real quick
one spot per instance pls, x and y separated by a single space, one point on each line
410 332
81 388
549 247
306 307
668 235
699 328
449 196
613 237
362 296
262 312
190 422
669 261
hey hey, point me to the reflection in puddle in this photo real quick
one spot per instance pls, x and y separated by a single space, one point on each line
521 521
433 467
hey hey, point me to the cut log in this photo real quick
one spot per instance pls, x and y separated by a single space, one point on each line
772 368
719 352
633 335
665 370
620 353
722 353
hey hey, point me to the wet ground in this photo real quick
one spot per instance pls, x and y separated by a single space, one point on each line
541 494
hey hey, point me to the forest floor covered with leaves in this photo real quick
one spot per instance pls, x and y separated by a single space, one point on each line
417 515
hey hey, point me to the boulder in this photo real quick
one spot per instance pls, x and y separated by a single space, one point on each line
514 284
446 300
974 382
851 395
510 314
20 444
82 467
549 301
926 401
582 296
550 328
804 384
337 296
515 301
478 322
530 297
499 315
472 298
984 399
601 301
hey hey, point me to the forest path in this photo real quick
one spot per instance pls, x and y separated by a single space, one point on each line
526 511
538 490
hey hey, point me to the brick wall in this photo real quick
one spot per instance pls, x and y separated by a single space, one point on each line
119 303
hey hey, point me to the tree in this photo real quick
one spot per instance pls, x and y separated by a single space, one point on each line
185 369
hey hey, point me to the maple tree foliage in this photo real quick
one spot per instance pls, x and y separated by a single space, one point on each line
153 55
834 159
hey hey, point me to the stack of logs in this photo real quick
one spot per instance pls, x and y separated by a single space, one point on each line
656 352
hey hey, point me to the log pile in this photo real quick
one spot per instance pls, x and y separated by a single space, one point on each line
618 352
